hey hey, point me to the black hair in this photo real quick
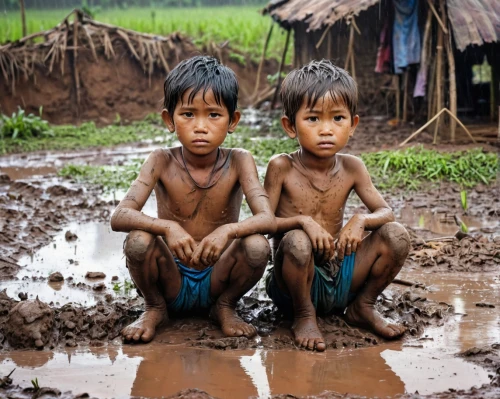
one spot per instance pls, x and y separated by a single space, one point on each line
197 73
312 82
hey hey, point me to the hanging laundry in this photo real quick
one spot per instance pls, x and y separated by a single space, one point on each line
405 34
384 52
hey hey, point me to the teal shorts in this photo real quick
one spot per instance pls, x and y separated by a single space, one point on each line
194 294
327 293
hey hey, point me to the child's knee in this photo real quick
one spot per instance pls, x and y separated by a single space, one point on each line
256 250
297 246
397 239
137 245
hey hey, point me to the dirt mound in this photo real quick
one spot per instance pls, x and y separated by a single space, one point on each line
487 357
103 71
471 254
29 324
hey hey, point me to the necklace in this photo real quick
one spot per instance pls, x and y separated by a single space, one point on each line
211 173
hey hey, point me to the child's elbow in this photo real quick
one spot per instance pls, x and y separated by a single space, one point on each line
116 219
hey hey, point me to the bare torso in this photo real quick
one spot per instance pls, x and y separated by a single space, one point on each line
199 211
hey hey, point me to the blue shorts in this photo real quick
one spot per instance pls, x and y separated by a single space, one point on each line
194 294
327 293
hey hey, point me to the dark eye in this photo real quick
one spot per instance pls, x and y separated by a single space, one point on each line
338 118
188 114
312 119
214 115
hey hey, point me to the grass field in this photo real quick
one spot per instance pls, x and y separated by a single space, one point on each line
244 27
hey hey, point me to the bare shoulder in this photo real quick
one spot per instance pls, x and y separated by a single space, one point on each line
351 163
281 162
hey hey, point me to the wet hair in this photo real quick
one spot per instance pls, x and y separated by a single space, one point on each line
313 81
201 73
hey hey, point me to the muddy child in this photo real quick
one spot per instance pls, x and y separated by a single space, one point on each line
321 266
196 256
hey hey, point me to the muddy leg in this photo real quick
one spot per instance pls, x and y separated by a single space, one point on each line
158 279
378 261
235 273
294 272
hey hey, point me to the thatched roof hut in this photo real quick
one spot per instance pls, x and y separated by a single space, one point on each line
349 31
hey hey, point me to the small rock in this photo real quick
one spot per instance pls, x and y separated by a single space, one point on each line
70 236
95 275
71 343
23 296
114 278
69 325
108 298
99 287
69 334
485 305
56 277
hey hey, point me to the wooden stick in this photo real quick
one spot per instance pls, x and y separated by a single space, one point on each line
405 96
461 124
436 132
408 283
350 48
23 17
453 87
262 59
423 127
320 42
431 89
439 68
431 6
75 63
282 63
398 97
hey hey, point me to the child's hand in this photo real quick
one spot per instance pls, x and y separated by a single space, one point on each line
180 243
321 240
350 236
210 248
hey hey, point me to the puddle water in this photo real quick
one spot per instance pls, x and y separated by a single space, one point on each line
441 223
157 370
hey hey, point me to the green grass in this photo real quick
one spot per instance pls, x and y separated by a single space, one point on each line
244 27
69 137
410 167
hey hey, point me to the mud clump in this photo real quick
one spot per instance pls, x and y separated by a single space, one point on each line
487 357
56 277
70 236
95 275
29 325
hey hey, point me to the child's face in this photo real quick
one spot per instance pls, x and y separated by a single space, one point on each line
323 130
201 125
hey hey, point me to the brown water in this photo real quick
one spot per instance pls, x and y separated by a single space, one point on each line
156 369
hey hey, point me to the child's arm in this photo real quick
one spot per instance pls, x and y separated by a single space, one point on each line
128 216
262 221
352 233
321 240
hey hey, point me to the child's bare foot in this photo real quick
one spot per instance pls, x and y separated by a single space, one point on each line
307 334
143 329
230 323
365 315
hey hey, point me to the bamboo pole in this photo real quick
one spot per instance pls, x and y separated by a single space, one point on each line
443 25
23 16
282 63
398 97
432 120
439 69
405 96
262 59
453 87
75 63
350 48
431 98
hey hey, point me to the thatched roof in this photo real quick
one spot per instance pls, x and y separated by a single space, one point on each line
316 14
473 21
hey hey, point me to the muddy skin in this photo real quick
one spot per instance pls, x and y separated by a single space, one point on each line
393 243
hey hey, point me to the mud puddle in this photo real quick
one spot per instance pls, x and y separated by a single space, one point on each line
444 223
426 364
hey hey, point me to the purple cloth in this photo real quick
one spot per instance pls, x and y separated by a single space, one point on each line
405 34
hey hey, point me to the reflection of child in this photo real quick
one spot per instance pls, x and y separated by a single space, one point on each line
308 190
196 255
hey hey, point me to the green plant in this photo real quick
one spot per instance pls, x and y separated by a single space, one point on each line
273 79
463 200
463 227
238 58
20 126
36 386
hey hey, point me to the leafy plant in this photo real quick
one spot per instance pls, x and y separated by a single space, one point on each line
463 227
23 127
463 199
36 386
238 58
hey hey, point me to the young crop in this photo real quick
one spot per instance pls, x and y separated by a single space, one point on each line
20 126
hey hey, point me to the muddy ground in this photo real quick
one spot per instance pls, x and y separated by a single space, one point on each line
34 209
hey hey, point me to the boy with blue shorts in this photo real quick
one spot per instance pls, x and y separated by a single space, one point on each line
321 266
196 256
